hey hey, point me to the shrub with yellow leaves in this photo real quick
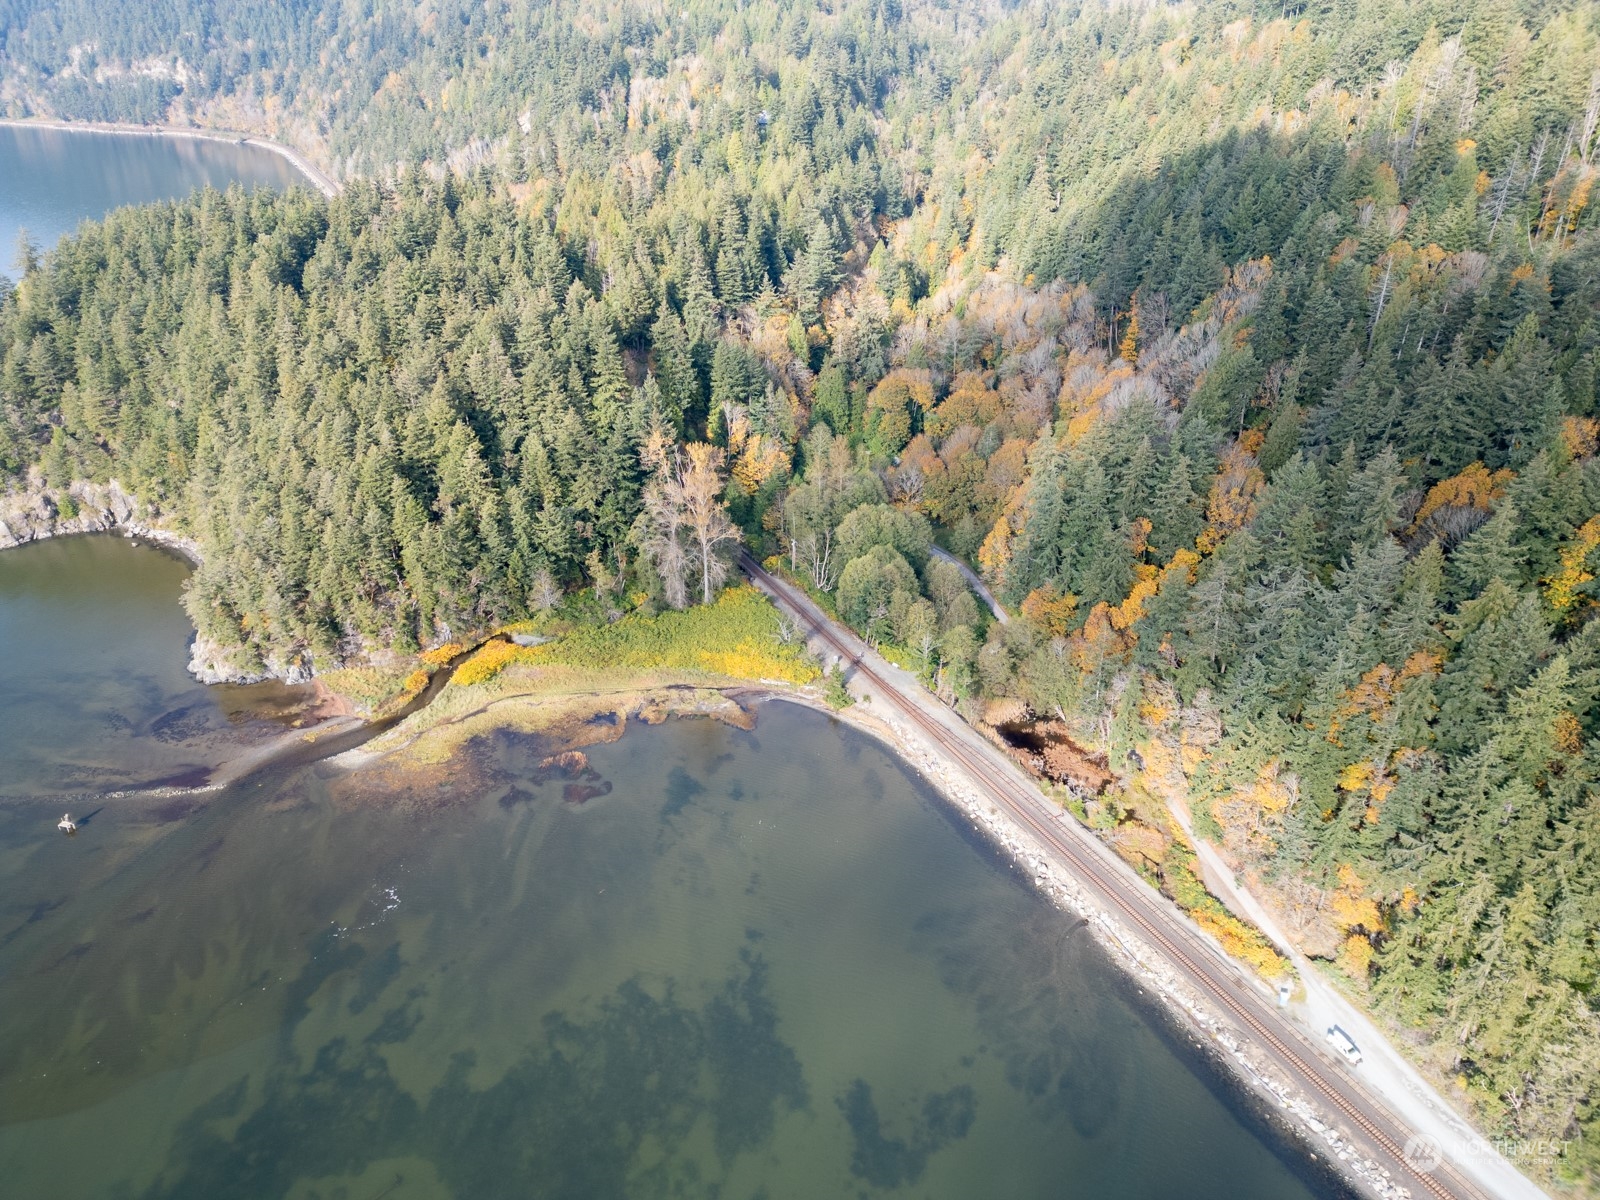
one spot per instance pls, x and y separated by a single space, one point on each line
763 457
439 655
1181 880
1351 907
1232 502
1580 436
1473 490
1050 609
1251 814
1355 957
488 662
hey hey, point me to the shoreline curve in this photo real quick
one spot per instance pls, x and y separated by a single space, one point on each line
313 174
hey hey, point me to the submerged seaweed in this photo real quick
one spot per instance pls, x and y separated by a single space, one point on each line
568 1118
888 1162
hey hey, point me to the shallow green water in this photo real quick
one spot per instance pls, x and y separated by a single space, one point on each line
93 691
52 179
761 964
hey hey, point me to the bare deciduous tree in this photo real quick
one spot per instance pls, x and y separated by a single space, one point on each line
544 593
1501 195
682 500
1591 119
1382 299
660 528
661 541
702 481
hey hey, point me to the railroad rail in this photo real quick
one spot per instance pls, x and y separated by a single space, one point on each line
1367 1113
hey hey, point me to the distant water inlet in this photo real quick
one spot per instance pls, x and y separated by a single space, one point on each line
732 963
53 179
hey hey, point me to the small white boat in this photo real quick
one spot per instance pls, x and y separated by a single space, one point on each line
67 824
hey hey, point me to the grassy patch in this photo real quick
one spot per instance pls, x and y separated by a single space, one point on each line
636 664
736 637
779 566
906 660
370 688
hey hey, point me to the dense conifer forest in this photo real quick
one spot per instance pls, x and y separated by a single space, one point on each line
1249 351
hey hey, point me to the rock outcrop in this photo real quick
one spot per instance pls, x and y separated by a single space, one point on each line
212 662
36 511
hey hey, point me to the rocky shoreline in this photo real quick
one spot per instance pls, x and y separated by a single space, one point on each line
37 512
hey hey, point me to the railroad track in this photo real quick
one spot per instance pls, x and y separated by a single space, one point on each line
1366 1113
